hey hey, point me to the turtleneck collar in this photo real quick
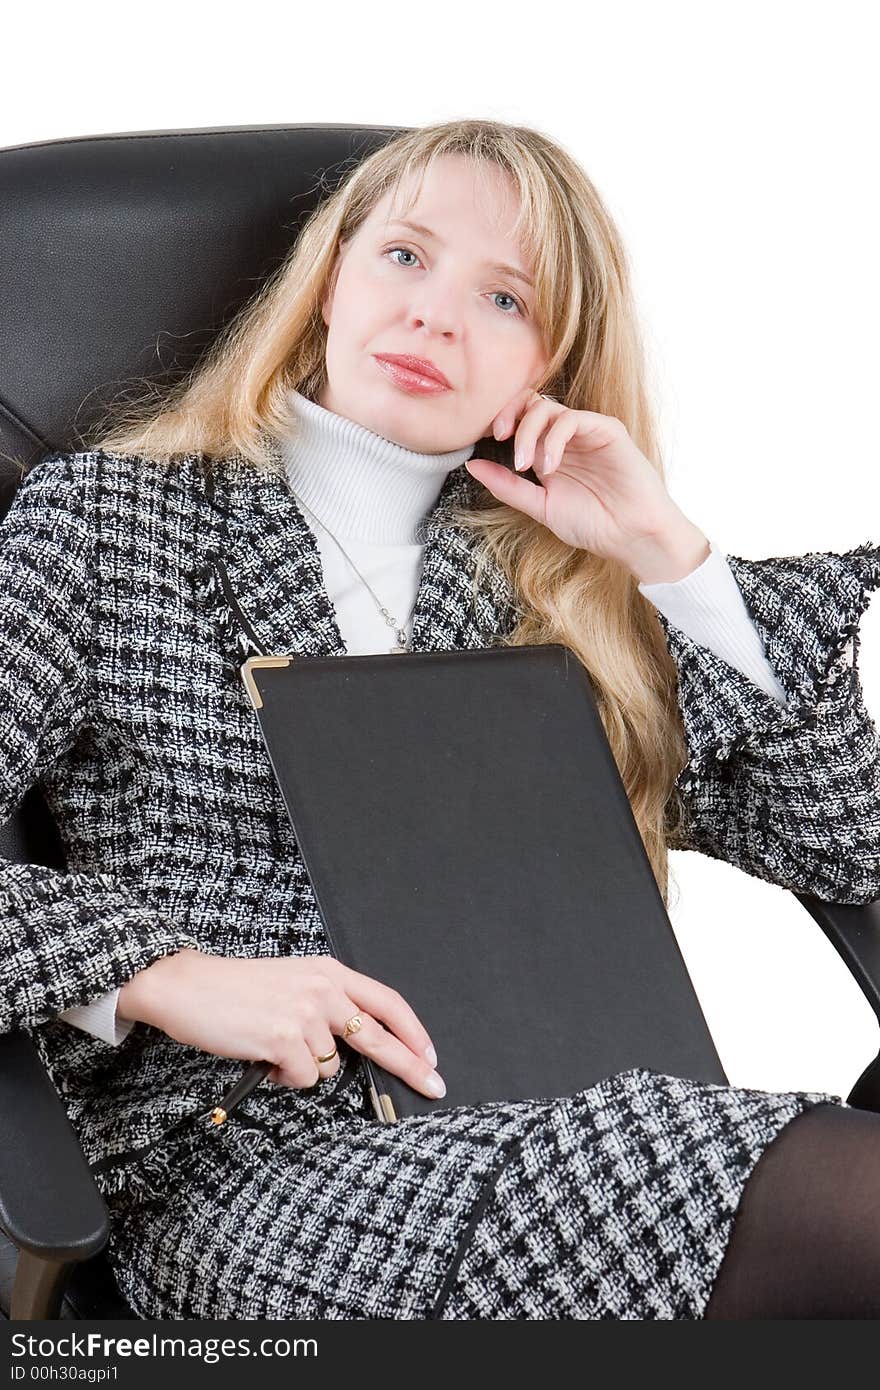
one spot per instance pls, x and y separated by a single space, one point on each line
357 483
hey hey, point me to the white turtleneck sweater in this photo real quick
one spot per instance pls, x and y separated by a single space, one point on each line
373 494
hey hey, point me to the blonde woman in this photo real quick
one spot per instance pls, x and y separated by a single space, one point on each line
346 448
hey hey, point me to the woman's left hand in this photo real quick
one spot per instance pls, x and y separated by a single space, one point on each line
599 492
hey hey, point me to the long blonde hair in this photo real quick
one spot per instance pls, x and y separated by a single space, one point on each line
237 395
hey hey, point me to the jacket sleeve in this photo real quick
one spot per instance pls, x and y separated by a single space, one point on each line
65 938
789 794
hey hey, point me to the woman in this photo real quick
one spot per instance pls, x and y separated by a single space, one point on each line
186 903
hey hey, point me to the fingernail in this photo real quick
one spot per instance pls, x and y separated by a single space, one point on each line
431 1055
436 1085
519 461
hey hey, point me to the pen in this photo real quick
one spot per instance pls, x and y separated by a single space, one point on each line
252 1078
243 1087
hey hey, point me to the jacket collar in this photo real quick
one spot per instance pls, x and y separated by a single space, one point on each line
274 568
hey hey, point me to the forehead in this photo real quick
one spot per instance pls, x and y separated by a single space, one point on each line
454 196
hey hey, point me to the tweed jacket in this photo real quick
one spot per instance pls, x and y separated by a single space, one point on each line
120 695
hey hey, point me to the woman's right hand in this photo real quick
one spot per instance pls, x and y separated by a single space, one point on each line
284 1010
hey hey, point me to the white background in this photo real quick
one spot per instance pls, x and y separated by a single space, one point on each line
735 146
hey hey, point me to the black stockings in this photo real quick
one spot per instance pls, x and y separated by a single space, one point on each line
806 1236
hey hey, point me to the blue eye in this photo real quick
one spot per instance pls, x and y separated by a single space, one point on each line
405 249
511 297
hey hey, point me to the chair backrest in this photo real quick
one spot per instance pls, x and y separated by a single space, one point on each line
123 257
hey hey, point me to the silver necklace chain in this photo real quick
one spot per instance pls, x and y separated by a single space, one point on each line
402 643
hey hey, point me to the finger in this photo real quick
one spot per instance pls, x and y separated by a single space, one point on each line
509 414
295 1065
535 419
321 1043
391 1008
509 487
377 1042
552 445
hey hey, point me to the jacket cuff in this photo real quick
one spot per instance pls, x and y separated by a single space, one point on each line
806 609
99 1017
708 605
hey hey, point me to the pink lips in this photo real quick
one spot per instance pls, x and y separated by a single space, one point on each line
413 373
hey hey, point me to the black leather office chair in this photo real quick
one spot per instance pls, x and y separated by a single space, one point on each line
123 256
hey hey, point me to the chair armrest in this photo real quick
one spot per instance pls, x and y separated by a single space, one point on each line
50 1204
854 929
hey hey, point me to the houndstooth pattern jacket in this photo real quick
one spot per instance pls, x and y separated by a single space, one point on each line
120 695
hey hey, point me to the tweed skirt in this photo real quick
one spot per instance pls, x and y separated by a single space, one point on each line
615 1202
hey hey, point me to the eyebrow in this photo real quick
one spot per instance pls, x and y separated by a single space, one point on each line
426 231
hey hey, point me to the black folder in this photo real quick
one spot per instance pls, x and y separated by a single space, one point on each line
470 843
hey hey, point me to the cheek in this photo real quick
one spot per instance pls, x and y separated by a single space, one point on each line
367 306
507 366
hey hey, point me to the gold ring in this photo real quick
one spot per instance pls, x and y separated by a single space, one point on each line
352 1025
328 1058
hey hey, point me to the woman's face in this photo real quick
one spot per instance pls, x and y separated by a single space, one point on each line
441 298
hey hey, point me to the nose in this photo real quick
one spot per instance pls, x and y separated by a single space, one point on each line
438 325
438 311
